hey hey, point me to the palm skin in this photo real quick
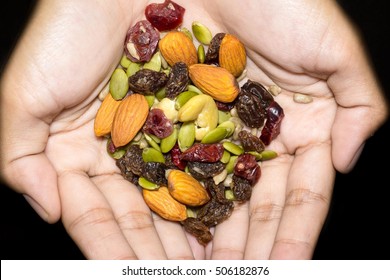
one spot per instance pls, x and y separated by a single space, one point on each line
71 48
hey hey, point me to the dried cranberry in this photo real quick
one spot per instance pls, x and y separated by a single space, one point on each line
165 16
203 152
158 124
141 41
247 167
175 156
271 130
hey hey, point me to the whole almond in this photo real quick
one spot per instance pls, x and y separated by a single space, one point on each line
177 47
186 189
129 119
105 115
215 81
162 203
232 55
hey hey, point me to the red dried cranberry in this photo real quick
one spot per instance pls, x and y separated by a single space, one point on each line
271 129
175 155
203 152
165 16
247 167
158 124
141 41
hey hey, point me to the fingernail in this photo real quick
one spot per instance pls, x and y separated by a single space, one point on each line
37 207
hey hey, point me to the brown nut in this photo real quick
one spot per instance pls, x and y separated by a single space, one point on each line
105 115
129 119
215 81
232 55
186 189
177 47
162 203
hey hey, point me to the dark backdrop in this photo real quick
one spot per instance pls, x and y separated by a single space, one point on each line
358 223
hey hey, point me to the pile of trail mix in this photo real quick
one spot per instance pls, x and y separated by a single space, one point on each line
179 125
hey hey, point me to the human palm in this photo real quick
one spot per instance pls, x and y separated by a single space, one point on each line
302 49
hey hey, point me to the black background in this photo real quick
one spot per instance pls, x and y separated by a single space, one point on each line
357 227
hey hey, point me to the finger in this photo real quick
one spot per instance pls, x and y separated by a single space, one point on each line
89 220
198 250
266 207
230 236
308 195
35 178
362 106
132 215
174 239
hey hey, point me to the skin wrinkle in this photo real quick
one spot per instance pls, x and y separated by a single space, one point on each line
135 220
266 212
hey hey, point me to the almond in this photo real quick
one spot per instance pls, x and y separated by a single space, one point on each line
177 47
105 115
186 189
162 203
232 55
215 81
129 119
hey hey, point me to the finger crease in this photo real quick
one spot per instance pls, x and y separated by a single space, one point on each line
266 212
303 196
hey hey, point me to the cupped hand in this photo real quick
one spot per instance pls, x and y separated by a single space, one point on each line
50 153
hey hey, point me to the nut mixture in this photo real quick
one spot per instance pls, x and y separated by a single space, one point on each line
178 124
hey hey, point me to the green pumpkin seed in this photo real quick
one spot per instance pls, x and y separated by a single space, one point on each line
230 165
168 142
225 157
230 126
194 89
257 155
229 195
186 136
152 142
150 99
201 33
223 116
183 97
132 69
268 154
201 54
125 62
150 154
215 135
119 84
233 148
187 33
160 94
154 63
146 184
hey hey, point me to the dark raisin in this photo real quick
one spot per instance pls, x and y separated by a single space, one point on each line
250 110
271 129
260 91
158 124
242 188
141 41
165 16
155 172
178 80
198 229
203 170
128 175
250 142
203 152
132 160
248 168
212 54
216 191
146 81
214 212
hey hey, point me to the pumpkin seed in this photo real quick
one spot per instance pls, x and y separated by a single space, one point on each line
169 142
186 136
233 148
201 33
146 184
150 154
215 135
119 84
